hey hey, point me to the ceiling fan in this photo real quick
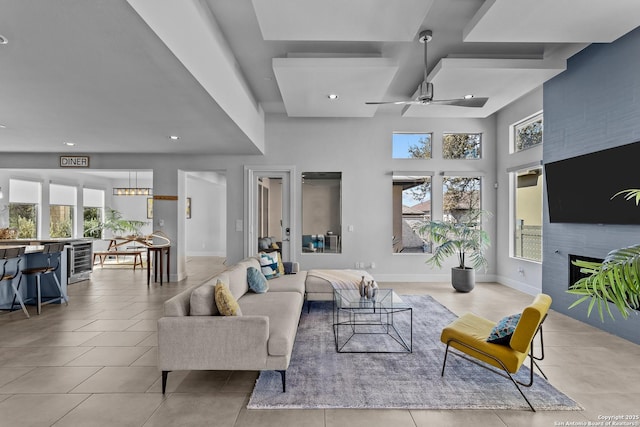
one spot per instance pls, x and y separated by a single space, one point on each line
425 89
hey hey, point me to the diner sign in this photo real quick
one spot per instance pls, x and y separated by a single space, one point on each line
74 161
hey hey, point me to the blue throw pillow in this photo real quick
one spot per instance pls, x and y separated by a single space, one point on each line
502 332
256 281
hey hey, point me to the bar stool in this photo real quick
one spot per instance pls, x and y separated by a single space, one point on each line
50 250
7 255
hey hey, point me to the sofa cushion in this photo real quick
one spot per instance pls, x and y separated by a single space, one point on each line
256 280
238 276
289 283
502 332
269 265
283 310
225 302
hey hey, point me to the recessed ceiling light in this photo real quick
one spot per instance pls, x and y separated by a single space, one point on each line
174 137
468 96
3 39
69 144
332 96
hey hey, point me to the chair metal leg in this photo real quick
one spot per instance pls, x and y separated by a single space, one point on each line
16 295
38 296
506 373
62 295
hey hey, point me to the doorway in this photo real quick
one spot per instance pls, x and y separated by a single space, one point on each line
269 198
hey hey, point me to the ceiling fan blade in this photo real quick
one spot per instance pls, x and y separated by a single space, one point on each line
387 102
462 102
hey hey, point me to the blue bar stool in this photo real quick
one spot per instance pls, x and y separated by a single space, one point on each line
51 250
8 255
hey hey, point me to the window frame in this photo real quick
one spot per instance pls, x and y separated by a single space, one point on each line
480 145
513 195
73 208
416 175
513 129
445 175
422 134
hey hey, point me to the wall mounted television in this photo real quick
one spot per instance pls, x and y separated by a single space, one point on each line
580 189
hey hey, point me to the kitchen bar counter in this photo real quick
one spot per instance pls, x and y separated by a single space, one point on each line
33 257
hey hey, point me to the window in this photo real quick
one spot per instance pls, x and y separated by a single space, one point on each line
527 133
411 207
62 202
460 195
24 203
527 237
461 145
93 202
411 145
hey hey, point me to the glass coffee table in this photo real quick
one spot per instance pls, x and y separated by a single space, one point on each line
383 324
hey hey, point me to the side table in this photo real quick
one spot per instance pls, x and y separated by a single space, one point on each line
158 252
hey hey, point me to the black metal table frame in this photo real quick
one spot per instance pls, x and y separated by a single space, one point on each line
388 325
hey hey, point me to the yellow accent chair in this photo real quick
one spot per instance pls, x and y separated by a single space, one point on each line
468 336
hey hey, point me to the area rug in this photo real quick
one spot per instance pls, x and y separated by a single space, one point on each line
319 377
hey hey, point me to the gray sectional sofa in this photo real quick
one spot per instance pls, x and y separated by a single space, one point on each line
192 335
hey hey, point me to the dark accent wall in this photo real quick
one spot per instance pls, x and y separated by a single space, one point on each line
593 105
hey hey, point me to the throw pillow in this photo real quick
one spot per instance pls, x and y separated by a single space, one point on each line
280 264
269 266
263 243
225 302
202 301
502 332
256 281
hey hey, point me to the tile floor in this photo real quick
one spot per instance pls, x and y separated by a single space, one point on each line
93 363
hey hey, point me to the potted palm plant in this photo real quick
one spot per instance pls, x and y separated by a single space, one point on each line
616 279
464 238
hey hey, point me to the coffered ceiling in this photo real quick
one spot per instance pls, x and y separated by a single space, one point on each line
125 75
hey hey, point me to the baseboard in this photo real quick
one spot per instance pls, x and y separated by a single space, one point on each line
197 254
517 285
428 278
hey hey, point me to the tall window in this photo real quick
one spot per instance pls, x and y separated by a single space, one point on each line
527 133
461 145
93 202
527 238
24 204
62 203
411 145
411 207
460 195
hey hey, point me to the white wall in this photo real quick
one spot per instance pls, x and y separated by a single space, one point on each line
206 233
518 273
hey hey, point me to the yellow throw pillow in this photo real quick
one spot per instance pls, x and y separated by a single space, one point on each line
226 303
280 264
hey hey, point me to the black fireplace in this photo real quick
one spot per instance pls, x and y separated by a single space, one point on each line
574 271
